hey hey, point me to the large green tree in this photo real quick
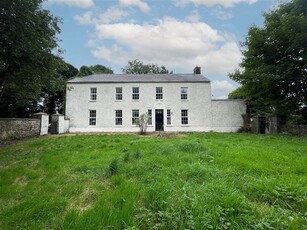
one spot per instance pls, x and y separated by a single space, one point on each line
27 46
273 74
138 67
96 69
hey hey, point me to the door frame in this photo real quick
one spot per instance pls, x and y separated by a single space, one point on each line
159 124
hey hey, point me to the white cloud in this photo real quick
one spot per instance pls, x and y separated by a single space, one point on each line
194 17
85 19
78 3
220 13
142 5
224 3
172 43
222 88
113 14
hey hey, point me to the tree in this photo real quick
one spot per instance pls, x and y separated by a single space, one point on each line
138 67
96 69
142 122
273 71
54 94
27 64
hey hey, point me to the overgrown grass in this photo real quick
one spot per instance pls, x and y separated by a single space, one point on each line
201 181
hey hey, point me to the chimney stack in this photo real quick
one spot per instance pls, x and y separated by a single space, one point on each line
197 70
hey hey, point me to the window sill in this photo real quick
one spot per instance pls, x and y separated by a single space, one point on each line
93 100
168 125
118 100
185 125
135 100
184 100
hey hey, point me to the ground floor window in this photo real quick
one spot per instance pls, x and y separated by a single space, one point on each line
118 117
92 117
149 113
168 117
184 117
135 116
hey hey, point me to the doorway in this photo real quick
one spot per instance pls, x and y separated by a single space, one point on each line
159 120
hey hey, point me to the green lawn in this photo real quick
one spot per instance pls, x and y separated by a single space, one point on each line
192 181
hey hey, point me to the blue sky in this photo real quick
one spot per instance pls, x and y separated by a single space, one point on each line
179 34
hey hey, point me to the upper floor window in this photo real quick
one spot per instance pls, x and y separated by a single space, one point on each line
159 93
184 117
149 119
118 117
119 93
184 93
93 94
135 93
135 116
92 117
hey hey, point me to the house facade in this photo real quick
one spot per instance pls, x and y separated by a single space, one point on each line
173 102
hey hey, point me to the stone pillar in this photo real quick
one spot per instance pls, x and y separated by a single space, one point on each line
44 122
57 124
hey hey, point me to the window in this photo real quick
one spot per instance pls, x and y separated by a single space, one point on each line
184 93
93 94
118 117
135 93
119 93
159 93
92 119
168 117
184 117
135 116
149 117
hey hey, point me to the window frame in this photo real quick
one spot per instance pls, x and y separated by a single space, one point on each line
93 94
135 93
92 117
135 115
159 93
149 116
184 117
184 95
118 117
168 117
118 95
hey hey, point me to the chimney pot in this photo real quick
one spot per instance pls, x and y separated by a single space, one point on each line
197 70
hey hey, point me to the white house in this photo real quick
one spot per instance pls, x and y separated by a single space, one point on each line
173 102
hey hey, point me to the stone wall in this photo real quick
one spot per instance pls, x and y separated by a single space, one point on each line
299 130
18 128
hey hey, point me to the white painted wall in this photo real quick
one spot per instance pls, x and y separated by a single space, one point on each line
227 115
78 106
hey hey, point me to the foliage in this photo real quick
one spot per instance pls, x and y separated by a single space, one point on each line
274 67
142 122
138 67
221 181
27 64
96 69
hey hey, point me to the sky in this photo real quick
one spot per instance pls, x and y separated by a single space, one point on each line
177 34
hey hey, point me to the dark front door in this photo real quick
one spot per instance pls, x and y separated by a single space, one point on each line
159 120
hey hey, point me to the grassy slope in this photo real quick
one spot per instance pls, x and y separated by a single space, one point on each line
202 181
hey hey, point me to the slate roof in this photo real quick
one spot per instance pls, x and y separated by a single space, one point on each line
139 78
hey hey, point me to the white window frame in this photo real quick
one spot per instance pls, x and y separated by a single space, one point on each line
135 116
118 93
184 93
93 94
168 117
92 117
118 117
184 117
135 93
159 93
149 118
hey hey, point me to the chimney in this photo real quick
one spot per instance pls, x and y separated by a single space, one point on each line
197 70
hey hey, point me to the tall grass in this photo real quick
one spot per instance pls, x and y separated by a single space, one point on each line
197 181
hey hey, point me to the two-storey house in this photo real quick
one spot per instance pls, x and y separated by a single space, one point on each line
173 102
